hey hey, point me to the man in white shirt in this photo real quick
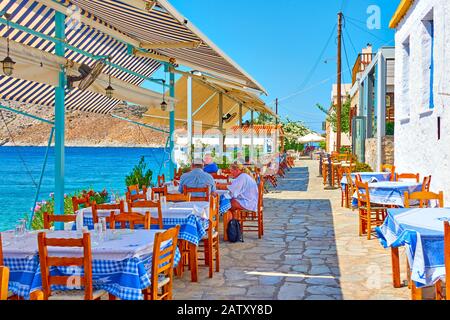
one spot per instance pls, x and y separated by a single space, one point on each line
243 190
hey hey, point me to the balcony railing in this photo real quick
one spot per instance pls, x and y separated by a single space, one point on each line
363 60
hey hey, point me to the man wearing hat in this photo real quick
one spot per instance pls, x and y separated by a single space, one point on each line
197 178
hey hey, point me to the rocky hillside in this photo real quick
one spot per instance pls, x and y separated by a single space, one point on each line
82 129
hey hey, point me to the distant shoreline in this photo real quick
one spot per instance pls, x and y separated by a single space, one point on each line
87 145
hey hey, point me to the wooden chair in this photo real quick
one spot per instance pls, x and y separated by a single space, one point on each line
76 202
389 168
211 240
205 191
351 188
163 262
253 221
426 183
132 219
424 198
4 281
85 262
159 191
149 204
113 208
344 200
161 180
178 197
439 293
136 194
220 177
412 176
369 216
49 218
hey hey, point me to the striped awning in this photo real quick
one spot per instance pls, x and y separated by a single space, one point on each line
260 129
101 30
40 18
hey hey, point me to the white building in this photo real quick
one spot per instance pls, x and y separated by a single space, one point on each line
422 81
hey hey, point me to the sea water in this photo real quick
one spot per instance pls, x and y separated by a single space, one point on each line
85 167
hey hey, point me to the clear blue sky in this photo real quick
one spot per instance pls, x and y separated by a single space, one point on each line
279 42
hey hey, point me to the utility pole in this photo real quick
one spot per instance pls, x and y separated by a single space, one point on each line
339 85
276 125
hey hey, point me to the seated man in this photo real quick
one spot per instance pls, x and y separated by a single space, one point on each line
197 178
210 165
243 190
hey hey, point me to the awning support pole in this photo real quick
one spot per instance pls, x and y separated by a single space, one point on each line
38 190
189 115
252 142
222 135
172 125
60 27
240 129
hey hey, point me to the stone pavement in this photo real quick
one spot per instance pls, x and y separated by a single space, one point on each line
311 250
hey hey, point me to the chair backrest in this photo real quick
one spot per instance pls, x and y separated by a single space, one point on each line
260 195
447 257
389 168
362 191
412 176
76 202
178 197
163 260
424 198
220 177
161 180
113 207
49 218
426 183
214 212
350 182
132 218
205 191
149 204
4 282
159 191
135 194
85 262
358 178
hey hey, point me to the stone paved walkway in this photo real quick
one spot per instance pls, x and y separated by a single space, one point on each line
310 250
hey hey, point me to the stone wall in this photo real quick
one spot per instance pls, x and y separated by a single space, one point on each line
418 146
387 156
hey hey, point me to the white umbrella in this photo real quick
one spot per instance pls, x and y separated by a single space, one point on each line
312 137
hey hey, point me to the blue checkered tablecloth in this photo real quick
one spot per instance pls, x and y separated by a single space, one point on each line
192 227
389 193
124 279
421 231
224 204
368 176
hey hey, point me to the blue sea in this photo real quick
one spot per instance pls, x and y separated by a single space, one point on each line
100 168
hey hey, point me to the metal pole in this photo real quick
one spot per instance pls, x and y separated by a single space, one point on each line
189 112
222 136
339 86
60 120
240 129
139 124
172 126
27 114
38 190
252 142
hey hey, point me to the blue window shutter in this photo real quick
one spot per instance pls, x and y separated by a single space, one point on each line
432 65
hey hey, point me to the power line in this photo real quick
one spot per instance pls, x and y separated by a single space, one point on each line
346 56
368 32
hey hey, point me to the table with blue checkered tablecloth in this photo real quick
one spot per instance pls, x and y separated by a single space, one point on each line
421 231
121 265
389 193
192 217
368 177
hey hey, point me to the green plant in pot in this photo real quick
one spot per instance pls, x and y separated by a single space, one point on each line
140 175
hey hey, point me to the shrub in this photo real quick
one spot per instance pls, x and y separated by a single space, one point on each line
363 167
390 128
140 175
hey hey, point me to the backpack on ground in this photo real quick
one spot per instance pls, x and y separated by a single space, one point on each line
234 231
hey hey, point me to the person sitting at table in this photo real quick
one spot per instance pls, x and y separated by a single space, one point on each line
243 189
197 178
210 165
